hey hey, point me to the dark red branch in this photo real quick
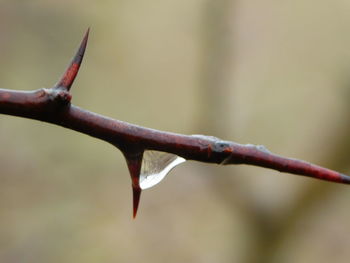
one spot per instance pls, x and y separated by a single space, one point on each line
127 137
53 106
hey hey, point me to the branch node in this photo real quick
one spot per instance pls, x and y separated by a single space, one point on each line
59 95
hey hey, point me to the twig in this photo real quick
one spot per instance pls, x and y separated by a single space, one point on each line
53 106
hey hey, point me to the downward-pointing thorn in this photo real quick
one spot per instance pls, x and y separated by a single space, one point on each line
134 162
69 75
136 193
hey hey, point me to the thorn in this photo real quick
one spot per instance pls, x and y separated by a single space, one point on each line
136 193
134 162
69 75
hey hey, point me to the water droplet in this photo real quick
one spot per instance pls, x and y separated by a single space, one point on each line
155 166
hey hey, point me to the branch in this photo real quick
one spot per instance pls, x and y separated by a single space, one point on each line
54 106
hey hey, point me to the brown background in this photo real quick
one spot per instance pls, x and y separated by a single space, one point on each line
264 72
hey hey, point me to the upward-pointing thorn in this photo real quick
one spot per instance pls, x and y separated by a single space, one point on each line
69 75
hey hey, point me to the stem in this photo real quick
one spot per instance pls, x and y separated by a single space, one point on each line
53 106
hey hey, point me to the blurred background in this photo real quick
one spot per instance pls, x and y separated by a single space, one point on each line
262 72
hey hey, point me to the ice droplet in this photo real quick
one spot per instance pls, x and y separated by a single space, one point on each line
155 166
